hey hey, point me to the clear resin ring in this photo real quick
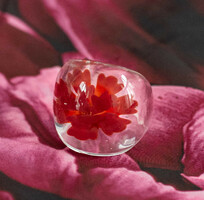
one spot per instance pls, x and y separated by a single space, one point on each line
101 109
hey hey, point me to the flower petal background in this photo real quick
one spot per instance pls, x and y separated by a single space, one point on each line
23 51
152 37
5 195
173 108
193 143
30 148
36 14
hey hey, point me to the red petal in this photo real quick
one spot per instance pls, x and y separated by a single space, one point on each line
63 111
78 77
82 133
124 105
22 50
84 103
59 113
65 98
64 103
111 123
61 89
102 103
84 127
109 83
84 121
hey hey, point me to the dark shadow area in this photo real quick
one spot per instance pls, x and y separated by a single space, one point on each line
173 178
22 192
177 29
9 6
177 24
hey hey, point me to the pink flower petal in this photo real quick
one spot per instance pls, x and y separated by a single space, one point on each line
193 159
22 51
33 96
27 131
86 163
101 50
197 180
173 108
39 166
36 14
25 109
71 55
31 153
111 31
120 183
56 171
4 195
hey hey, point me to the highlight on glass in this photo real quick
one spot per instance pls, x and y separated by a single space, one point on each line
101 109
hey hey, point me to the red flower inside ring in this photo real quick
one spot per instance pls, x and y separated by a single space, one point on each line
88 107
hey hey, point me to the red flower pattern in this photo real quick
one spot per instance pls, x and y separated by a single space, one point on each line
89 108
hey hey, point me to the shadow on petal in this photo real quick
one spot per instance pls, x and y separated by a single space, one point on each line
23 52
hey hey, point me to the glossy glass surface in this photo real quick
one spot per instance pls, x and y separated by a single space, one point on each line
101 109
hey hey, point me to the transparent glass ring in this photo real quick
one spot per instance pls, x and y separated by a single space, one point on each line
101 109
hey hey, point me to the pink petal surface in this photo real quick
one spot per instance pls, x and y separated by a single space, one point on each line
173 108
36 14
71 55
197 180
32 154
112 31
34 103
101 50
23 52
4 195
193 159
